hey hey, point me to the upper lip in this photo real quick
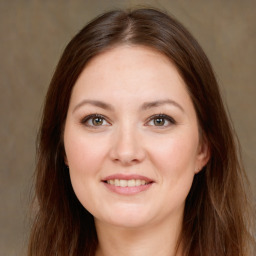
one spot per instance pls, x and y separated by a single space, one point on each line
121 176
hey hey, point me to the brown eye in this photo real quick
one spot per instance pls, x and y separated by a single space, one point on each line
97 121
159 121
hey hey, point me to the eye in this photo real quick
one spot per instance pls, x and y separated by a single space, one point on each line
161 120
95 120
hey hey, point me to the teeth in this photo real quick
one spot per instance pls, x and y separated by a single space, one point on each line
127 183
137 182
123 183
131 183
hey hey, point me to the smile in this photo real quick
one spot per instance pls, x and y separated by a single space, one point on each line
127 183
124 184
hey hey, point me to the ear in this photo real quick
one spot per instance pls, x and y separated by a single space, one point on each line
65 158
203 155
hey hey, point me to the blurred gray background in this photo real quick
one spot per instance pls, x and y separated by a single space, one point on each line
34 34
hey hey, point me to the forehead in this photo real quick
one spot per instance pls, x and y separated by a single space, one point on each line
128 67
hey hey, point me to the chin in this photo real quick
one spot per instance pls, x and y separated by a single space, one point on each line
129 223
127 218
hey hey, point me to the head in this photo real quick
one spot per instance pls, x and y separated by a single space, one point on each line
206 203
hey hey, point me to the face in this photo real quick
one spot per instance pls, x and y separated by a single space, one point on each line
131 138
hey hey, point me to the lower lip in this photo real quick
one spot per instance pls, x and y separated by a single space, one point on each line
128 190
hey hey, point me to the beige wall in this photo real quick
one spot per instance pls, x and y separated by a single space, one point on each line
33 35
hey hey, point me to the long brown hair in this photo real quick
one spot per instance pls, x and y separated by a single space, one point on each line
216 218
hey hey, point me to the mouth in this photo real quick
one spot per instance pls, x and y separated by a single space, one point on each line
127 184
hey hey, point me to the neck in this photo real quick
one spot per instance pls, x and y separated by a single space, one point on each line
158 239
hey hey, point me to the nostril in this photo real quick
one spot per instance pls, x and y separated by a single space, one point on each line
127 151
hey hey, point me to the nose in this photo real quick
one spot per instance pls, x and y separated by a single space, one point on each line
127 148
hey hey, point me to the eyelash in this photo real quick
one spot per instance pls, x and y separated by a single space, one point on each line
86 119
164 117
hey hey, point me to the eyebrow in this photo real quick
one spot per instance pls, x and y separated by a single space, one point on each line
96 103
157 103
145 106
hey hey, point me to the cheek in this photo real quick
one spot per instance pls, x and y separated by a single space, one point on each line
84 153
84 157
176 156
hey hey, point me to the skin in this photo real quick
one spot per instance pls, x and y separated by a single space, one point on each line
129 86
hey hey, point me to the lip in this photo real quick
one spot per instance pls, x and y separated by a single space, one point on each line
127 177
127 190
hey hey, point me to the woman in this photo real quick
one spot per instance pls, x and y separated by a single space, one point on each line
136 155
